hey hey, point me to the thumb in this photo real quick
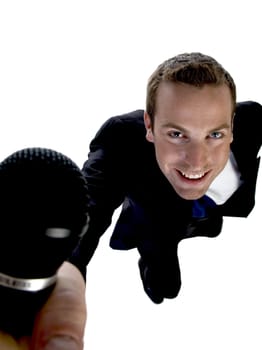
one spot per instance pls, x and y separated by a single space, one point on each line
61 322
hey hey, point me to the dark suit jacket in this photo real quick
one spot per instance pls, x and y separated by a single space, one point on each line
122 170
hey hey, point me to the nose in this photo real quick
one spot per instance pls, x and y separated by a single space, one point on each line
196 155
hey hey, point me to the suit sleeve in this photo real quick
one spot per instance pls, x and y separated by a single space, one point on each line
103 172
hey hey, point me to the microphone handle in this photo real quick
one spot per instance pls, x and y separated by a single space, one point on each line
19 314
43 215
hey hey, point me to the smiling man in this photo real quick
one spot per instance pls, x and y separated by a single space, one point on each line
176 168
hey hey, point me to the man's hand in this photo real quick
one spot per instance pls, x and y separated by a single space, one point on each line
60 324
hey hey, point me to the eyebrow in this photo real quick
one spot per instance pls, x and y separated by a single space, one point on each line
222 126
180 128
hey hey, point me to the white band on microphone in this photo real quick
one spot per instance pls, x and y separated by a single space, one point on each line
30 285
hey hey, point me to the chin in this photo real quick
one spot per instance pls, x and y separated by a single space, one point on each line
190 195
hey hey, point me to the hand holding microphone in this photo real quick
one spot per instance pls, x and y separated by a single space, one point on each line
43 213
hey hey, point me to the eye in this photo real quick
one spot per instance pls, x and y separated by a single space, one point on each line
216 135
175 134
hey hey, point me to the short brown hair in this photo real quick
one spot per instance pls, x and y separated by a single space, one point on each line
190 68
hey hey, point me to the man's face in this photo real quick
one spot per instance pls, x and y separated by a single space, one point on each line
192 134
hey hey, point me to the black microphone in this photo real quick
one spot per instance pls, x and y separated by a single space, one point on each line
43 215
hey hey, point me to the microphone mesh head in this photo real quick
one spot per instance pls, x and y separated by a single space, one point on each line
40 189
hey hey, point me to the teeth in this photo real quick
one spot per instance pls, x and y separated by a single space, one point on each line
193 176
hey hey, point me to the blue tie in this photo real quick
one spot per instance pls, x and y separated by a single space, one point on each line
199 209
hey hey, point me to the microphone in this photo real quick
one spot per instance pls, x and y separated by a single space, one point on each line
43 215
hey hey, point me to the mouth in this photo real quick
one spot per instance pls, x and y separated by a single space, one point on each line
193 177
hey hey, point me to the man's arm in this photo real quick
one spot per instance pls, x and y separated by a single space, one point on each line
103 174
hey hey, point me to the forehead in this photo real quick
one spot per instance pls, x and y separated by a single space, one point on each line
187 103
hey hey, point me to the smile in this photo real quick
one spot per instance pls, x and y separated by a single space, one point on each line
193 176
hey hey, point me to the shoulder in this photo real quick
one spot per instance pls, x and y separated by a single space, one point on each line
246 127
120 129
248 113
249 104
129 120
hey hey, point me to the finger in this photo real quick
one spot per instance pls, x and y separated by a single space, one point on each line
7 342
63 317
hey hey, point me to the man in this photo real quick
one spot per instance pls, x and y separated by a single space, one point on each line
177 168
193 140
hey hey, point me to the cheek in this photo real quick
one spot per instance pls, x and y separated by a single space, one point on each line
220 155
167 155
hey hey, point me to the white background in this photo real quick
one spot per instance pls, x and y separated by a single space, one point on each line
65 67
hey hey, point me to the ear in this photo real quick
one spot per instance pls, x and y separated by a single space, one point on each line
232 127
148 125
